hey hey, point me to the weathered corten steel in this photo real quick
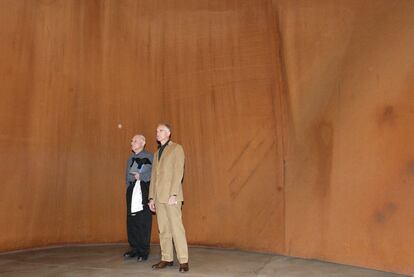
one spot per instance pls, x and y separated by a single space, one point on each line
296 118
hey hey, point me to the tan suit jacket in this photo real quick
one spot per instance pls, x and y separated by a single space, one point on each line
167 174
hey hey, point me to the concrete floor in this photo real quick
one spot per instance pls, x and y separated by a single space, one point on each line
107 260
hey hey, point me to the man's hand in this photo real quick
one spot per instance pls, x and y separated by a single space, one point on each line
172 200
151 205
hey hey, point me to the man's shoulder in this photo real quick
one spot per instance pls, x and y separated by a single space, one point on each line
148 155
175 145
177 148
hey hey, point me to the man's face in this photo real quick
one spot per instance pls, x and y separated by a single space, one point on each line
137 143
163 133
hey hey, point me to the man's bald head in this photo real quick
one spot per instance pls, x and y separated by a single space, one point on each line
137 143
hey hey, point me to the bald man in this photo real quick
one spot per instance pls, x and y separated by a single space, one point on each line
139 217
166 197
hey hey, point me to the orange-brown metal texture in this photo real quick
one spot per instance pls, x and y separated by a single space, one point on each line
296 118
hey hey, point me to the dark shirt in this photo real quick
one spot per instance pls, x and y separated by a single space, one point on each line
161 149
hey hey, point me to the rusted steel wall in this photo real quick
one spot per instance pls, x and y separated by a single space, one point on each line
71 71
350 178
295 117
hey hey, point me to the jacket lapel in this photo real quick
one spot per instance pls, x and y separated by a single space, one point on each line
165 152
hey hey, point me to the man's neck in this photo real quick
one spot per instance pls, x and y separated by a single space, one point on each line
137 151
164 142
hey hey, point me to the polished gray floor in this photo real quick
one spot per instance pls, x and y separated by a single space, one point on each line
107 260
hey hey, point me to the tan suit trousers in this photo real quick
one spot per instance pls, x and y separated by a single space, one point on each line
171 229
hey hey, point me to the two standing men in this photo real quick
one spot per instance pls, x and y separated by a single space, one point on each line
165 198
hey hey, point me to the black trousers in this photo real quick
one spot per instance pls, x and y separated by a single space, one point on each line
139 224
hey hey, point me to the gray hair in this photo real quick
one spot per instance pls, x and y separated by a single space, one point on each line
168 126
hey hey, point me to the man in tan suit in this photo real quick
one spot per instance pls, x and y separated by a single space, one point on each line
166 197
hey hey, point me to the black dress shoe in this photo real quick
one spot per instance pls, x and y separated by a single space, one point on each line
162 264
130 254
142 258
183 268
